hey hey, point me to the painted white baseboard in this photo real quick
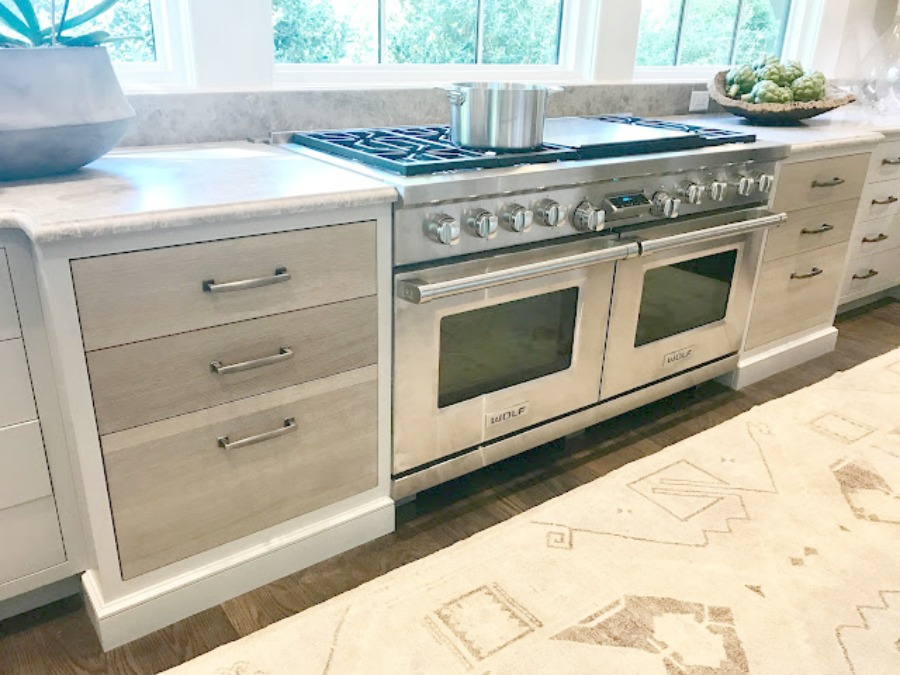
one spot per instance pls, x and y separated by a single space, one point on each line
761 364
127 618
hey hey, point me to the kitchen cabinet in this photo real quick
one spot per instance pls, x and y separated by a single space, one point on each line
873 261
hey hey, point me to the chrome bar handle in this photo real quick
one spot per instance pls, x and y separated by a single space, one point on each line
289 426
819 230
868 275
891 162
814 272
419 292
881 237
283 354
710 234
883 202
834 182
281 275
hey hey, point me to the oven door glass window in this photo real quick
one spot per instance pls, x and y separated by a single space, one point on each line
686 295
495 347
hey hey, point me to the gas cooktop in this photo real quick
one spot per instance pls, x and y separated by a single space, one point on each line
419 150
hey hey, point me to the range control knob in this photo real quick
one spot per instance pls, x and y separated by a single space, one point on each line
665 205
588 218
549 213
443 228
692 192
765 182
745 185
482 223
718 190
517 218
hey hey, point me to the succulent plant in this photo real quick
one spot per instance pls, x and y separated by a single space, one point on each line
24 23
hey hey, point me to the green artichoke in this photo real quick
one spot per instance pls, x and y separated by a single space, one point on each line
764 59
739 80
808 88
818 77
768 91
792 70
773 71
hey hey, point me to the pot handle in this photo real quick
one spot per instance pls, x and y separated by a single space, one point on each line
456 96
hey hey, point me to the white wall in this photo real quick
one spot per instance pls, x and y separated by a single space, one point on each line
866 22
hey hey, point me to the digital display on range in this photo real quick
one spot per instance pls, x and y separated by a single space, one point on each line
628 200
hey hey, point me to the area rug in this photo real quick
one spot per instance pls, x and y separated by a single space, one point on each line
767 544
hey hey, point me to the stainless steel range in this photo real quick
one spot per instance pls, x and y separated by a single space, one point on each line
537 293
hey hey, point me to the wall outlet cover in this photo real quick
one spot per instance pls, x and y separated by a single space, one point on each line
699 101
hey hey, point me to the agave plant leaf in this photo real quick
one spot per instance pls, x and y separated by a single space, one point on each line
17 25
6 41
26 9
93 39
84 17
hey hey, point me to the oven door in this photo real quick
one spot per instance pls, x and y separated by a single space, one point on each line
685 301
486 347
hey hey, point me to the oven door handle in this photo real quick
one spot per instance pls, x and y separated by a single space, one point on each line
419 292
651 246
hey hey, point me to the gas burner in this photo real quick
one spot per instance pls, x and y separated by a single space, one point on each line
412 151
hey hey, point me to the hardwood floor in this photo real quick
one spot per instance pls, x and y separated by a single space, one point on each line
58 638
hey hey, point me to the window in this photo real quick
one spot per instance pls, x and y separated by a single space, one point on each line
710 32
417 31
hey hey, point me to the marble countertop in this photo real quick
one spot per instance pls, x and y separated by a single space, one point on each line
138 189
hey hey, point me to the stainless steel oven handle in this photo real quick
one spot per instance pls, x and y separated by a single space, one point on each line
651 246
420 292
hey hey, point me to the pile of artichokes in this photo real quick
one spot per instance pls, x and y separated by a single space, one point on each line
769 80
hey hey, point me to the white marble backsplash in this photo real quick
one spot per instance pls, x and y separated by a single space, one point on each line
164 119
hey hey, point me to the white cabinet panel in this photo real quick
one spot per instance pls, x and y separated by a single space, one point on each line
9 319
31 539
23 466
16 399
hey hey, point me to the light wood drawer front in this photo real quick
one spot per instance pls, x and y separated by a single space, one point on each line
808 229
23 466
9 318
30 539
16 398
175 492
148 381
135 296
880 200
873 273
795 189
784 305
885 161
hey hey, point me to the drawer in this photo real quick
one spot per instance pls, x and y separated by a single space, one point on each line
872 273
145 294
23 466
30 539
875 236
885 162
815 227
147 381
9 318
784 305
827 181
175 492
16 397
880 200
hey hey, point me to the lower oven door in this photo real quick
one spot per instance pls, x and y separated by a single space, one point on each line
486 347
685 301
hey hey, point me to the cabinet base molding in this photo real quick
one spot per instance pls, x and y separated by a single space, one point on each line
128 617
767 361
39 597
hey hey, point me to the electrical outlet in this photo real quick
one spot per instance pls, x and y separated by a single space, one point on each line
699 101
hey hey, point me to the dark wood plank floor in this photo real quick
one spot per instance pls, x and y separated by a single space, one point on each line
59 638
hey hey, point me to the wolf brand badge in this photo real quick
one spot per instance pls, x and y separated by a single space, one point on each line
676 358
516 412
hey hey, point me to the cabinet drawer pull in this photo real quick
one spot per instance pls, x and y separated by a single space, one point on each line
814 272
281 275
283 354
874 240
882 202
819 230
289 426
834 182
868 275
891 162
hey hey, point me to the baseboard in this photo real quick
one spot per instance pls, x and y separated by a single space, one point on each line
129 617
44 595
762 364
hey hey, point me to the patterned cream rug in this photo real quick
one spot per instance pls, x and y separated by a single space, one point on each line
768 544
